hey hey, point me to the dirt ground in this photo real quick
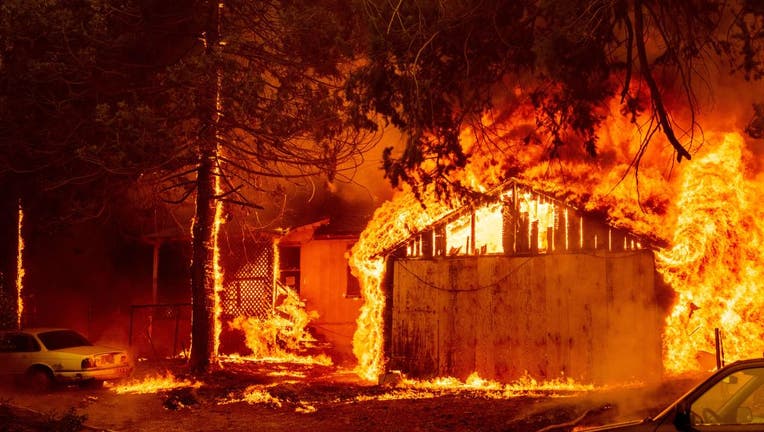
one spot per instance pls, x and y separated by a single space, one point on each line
301 398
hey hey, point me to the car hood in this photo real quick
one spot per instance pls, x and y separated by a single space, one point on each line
89 350
633 425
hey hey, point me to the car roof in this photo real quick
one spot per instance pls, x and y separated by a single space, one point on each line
36 330
753 361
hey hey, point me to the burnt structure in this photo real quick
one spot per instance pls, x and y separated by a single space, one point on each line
523 284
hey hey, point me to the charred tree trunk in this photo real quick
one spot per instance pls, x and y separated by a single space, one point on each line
204 236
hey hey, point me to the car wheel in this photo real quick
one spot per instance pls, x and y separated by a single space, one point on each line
39 380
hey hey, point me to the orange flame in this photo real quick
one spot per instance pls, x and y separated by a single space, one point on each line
706 210
488 389
154 384
715 262
20 267
217 270
283 335
392 223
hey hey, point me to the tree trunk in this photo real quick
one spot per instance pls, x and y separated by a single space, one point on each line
204 231
9 242
202 264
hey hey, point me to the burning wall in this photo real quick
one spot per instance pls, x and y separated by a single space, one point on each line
550 316
523 284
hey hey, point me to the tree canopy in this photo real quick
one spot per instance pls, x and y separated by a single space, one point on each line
436 67
78 121
200 99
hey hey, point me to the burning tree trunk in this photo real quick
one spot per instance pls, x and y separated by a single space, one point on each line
9 244
203 260
205 227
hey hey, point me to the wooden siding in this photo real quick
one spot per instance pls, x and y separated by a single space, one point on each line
591 317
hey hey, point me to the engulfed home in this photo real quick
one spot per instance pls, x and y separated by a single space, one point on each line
523 284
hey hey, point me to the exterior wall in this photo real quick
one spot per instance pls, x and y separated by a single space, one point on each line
591 317
323 284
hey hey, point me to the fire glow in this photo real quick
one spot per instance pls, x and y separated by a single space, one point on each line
715 261
395 221
704 209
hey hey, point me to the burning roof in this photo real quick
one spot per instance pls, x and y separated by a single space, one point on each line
515 219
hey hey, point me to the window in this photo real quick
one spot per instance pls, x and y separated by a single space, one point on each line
59 339
18 342
353 286
736 399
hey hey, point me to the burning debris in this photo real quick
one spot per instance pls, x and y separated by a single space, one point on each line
154 384
283 336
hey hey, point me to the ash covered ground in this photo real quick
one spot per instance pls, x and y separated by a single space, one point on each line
291 397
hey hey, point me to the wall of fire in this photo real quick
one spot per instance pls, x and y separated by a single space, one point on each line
520 286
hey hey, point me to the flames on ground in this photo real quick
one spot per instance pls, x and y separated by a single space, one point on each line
304 387
154 383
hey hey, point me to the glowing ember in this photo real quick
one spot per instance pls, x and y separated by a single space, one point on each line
20 267
715 261
218 219
257 395
154 384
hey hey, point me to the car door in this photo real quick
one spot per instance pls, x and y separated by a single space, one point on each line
733 403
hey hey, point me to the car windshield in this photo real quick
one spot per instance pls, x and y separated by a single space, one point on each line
60 339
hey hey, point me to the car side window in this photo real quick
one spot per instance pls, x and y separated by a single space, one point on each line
19 342
752 408
733 400
6 344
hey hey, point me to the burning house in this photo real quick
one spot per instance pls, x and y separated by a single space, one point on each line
519 284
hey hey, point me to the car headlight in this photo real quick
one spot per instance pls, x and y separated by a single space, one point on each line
88 363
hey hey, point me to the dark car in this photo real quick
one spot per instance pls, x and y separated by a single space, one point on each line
732 399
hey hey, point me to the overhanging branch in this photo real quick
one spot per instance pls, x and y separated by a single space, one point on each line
655 93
